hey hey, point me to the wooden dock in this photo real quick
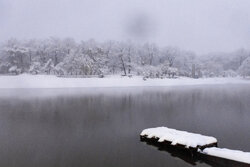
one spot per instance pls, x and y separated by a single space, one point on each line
189 147
179 138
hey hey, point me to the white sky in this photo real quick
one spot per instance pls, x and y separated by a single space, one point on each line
199 25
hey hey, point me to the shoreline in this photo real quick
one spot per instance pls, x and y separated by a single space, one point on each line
51 81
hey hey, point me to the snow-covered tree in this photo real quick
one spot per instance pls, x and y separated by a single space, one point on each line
35 68
169 54
244 69
68 57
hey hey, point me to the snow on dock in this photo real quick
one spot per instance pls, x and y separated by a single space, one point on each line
203 146
176 137
235 155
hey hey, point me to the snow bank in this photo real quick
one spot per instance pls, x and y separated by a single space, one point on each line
50 81
178 137
235 155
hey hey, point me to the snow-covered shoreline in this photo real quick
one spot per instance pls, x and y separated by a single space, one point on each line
50 81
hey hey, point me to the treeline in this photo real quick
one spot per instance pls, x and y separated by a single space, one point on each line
66 57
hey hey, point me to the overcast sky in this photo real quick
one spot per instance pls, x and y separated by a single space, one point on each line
199 25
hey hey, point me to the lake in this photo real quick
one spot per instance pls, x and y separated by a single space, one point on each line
96 127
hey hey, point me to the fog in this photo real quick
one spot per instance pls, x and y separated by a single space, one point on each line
202 26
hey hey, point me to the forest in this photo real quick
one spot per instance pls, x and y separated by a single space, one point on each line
66 57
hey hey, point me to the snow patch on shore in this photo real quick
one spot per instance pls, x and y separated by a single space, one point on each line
50 81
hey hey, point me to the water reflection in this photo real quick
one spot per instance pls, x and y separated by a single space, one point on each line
192 157
100 127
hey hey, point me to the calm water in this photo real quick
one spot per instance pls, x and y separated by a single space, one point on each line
101 127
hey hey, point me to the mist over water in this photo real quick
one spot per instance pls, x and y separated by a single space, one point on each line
101 127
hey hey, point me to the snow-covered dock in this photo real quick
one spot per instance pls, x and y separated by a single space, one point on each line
203 147
181 138
234 155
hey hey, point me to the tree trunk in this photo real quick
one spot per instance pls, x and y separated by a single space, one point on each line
55 62
193 71
123 65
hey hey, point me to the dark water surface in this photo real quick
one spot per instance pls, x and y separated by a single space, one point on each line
101 127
